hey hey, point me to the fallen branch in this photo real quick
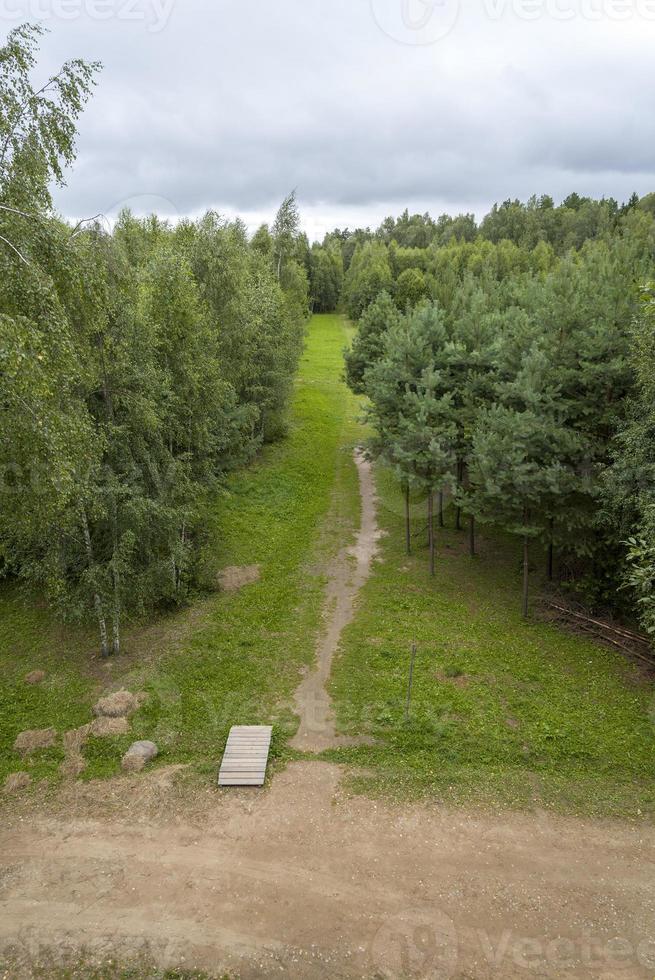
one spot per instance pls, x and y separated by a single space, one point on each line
620 630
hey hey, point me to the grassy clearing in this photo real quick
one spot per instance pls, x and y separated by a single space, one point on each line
503 711
232 657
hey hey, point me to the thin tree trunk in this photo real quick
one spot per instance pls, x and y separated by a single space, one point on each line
441 508
472 536
550 552
431 530
458 512
116 611
408 531
526 565
116 626
97 601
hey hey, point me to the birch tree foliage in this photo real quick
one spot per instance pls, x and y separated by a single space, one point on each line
37 122
136 369
285 231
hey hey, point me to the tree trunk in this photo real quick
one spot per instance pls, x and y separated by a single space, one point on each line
441 508
550 552
458 512
116 623
472 536
102 626
431 530
408 530
97 601
526 567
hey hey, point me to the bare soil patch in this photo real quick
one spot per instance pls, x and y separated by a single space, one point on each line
235 577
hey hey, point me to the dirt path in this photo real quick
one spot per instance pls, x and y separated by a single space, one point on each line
345 579
298 881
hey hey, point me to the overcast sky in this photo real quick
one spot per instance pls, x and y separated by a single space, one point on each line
365 106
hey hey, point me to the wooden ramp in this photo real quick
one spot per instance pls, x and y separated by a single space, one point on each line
245 756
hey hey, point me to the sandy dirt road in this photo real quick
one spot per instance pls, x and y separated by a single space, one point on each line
300 881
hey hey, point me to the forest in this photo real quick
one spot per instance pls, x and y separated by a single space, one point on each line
507 366
123 403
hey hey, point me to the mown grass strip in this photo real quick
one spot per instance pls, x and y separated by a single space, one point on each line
503 712
234 658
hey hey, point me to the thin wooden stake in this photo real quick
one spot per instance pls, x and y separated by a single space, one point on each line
410 681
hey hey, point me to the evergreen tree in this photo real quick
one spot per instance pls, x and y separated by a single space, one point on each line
369 342
411 408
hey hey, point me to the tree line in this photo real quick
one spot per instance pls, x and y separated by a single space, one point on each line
138 366
512 367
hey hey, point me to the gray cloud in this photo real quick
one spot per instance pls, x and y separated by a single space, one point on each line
234 102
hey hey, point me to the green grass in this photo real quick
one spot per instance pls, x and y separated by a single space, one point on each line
232 658
81 965
503 711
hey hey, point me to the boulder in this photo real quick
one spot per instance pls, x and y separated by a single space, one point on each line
35 677
138 754
30 741
16 781
120 704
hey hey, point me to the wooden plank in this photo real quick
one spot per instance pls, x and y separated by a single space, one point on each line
245 756
257 764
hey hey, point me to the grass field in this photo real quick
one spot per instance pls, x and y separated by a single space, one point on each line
503 711
231 657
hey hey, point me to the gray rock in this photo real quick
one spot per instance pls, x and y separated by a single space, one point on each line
138 754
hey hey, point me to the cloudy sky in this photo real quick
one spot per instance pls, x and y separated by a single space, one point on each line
365 106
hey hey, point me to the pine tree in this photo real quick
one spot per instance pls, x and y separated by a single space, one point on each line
522 463
411 409
369 342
